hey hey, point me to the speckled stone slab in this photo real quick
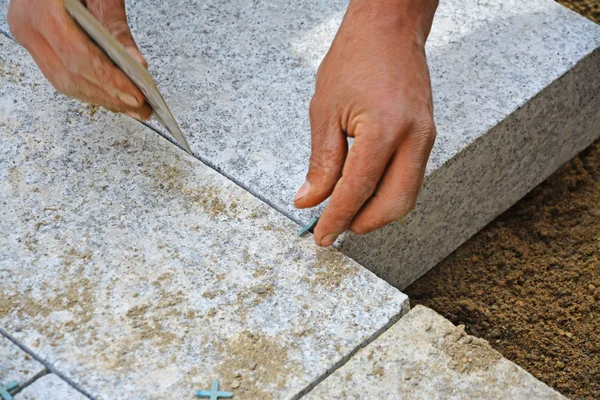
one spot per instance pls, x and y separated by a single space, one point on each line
424 356
514 85
4 29
140 273
49 387
15 364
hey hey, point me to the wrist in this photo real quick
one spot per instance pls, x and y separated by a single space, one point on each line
408 17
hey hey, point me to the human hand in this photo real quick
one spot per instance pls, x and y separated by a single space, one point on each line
373 85
71 61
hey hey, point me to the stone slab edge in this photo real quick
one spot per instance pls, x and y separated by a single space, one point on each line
424 356
536 146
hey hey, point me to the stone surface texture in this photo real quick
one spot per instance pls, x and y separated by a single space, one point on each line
140 273
4 29
49 387
424 356
15 364
239 77
241 81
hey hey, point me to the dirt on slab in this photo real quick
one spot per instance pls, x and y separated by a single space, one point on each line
529 283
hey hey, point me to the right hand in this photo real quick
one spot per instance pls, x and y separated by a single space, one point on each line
69 58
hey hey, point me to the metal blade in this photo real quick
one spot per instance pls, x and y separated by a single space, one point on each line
133 69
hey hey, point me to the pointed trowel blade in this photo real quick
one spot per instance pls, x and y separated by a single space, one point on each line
133 69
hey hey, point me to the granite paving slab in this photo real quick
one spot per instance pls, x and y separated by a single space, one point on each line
424 356
50 387
140 273
15 364
4 29
514 86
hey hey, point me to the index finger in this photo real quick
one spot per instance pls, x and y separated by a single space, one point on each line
82 57
366 161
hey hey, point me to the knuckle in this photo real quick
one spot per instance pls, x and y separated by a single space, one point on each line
361 229
343 216
364 189
428 133
323 164
404 204
427 127
120 30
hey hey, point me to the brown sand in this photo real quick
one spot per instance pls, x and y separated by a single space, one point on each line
530 281
588 8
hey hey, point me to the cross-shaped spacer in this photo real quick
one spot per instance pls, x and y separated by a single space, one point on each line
214 393
4 390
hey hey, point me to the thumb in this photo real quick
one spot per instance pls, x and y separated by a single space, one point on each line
328 152
112 14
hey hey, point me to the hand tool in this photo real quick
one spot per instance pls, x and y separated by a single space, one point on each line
133 69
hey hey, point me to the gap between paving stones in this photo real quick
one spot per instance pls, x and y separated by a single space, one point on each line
350 354
206 162
343 360
48 367
37 376
220 171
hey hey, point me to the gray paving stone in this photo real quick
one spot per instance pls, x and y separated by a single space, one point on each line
514 88
140 273
15 364
49 387
424 356
3 21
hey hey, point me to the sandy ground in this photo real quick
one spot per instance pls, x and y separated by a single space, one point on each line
530 281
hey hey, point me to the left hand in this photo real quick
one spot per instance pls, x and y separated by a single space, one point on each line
373 85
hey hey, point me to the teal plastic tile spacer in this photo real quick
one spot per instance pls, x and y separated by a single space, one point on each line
213 393
4 390
308 227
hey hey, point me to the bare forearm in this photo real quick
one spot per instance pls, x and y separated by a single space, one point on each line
410 17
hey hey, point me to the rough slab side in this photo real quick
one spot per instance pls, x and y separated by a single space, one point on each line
241 81
140 273
424 356
15 364
486 178
50 387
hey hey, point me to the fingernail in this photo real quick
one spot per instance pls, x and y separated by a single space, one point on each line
329 239
133 114
303 191
128 99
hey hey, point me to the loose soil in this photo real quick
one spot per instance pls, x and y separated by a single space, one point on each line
587 8
529 282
